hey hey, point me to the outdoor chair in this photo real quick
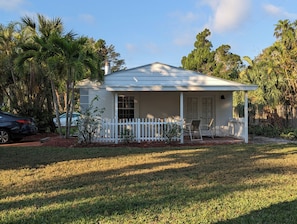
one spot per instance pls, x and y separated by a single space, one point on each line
208 128
194 131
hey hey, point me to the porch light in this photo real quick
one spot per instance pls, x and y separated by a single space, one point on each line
222 97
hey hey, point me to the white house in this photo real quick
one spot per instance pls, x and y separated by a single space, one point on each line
158 92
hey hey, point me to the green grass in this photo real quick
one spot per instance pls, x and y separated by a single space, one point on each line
209 184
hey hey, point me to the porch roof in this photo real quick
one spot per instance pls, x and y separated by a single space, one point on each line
162 77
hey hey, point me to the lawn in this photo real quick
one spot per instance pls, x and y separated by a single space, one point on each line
207 184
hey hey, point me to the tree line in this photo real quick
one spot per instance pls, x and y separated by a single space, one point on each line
274 70
40 64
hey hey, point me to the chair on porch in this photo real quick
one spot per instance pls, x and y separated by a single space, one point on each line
193 129
208 128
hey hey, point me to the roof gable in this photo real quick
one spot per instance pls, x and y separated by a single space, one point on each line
162 77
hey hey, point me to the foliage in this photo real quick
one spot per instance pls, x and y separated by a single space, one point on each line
265 130
219 62
89 122
171 131
127 135
208 184
274 70
290 134
106 53
40 64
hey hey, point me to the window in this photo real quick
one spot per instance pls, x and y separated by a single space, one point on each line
125 107
84 99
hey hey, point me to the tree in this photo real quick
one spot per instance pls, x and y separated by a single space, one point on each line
227 64
201 59
39 52
40 64
220 62
275 70
76 59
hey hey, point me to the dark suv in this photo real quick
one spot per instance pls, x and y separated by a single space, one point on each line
14 128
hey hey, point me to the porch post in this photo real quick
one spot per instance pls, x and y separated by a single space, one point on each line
181 106
116 117
246 115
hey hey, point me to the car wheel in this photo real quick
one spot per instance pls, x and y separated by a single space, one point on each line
4 136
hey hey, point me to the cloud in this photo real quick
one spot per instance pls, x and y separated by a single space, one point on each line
152 48
184 27
10 5
228 14
184 39
188 17
278 11
131 47
87 18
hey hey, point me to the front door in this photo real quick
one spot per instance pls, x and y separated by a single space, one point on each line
200 108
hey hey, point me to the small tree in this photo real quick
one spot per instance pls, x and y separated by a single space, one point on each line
89 123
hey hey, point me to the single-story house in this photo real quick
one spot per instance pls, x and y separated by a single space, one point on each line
149 95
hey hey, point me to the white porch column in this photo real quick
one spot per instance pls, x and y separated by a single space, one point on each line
116 117
246 116
181 106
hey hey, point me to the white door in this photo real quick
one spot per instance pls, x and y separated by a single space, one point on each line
207 110
200 108
192 108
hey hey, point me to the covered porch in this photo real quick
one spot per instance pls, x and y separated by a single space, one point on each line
159 130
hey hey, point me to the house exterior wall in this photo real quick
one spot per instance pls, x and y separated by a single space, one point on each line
166 105
159 105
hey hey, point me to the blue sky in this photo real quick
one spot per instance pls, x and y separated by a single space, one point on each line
144 32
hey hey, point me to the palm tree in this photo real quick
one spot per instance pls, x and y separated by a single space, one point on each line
41 51
76 59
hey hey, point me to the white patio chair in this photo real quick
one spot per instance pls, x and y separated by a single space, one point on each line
194 131
208 128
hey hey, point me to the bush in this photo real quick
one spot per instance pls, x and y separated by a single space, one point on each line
265 130
89 123
171 132
290 134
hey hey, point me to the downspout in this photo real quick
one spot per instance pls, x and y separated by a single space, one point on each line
246 115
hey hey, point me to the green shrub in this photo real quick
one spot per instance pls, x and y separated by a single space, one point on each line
265 130
171 132
127 135
89 123
290 134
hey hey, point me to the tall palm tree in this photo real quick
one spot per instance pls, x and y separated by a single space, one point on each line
76 59
41 50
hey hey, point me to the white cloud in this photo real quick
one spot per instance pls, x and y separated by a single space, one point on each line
228 14
278 11
184 39
184 27
131 47
87 18
10 5
152 48
185 17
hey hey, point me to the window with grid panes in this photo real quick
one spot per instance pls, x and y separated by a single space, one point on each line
125 107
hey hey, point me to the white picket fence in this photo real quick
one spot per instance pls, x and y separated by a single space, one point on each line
138 130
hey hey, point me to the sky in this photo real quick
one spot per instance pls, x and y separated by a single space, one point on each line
145 32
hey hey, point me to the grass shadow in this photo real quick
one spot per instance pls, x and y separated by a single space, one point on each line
284 212
203 174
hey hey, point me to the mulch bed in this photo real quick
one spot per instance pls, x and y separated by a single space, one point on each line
54 140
